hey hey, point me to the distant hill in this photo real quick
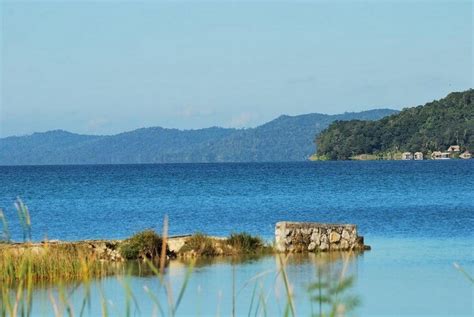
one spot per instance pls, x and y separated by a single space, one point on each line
287 138
434 126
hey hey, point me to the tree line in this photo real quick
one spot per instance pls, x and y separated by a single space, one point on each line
431 127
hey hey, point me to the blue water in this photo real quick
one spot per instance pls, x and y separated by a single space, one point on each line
387 199
417 216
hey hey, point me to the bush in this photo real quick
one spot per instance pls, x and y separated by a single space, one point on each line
201 244
245 243
143 245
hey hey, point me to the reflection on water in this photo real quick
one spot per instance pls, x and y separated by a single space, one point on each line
399 277
256 285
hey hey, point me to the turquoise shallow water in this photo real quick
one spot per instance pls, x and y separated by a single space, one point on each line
400 277
417 216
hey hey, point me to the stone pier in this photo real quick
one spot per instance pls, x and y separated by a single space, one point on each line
317 237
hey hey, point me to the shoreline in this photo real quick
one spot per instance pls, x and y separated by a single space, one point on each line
57 260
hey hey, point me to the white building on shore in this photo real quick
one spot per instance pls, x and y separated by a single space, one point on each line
407 156
418 156
466 155
438 155
454 149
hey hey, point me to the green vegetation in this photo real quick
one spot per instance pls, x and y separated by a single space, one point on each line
5 236
287 138
143 245
316 157
244 243
365 157
466 274
201 245
23 267
331 293
45 263
432 127
236 244
49 264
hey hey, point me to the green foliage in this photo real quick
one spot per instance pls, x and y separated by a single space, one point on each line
245 243
287 138
51 263
201 244
5 235
236 244
25 220
434 126
143 245
332 293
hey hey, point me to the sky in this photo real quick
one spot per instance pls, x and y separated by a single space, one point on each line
103 67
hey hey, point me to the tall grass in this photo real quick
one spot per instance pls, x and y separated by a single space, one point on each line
332 291
463 271
5 236
237 244
25 220
45 263
21 269
49 264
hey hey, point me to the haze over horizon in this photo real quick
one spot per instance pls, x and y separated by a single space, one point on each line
108 67
208 127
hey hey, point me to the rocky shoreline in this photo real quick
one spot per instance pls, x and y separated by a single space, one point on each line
290 237
317 237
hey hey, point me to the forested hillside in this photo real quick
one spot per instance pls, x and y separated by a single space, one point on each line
431 127
287 138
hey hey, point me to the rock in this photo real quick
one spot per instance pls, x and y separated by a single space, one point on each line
305 236
344 244
315 237
306 231
324 246
352 239
334 237
312 246
345 234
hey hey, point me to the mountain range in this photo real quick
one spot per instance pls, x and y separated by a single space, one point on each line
286 138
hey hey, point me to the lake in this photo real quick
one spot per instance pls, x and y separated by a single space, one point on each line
418 216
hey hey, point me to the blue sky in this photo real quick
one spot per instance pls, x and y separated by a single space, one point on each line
105 67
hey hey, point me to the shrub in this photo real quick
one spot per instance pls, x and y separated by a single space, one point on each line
245 243
201 244
143 245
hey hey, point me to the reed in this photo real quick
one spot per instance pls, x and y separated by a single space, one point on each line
468 276
49 264
5 236
21 268
25 219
